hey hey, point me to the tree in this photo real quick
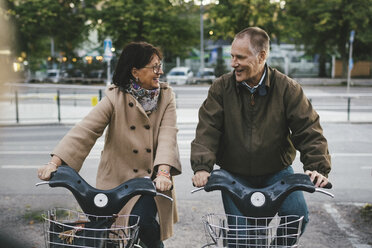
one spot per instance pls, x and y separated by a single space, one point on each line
324 27
39 21
169 26
231 16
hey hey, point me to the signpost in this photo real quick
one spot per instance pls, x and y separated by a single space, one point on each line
351 62
107 54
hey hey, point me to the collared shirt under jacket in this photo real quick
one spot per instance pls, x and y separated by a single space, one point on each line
258 134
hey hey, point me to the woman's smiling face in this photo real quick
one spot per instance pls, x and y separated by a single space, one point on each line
148 76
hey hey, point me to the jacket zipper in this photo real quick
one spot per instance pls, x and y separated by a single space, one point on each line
252 100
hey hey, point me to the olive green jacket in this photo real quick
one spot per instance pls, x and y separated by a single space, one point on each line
258 134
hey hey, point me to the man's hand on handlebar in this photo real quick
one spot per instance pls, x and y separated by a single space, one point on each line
318 179
200 178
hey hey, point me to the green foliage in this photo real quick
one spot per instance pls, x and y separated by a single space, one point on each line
170 27
37 21
366 212
324 26
231 16
33 215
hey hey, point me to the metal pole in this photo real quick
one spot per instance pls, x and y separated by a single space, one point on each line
348 108
52 47
108 82
201 40
16 102
58 106
349 69
100 94
351 40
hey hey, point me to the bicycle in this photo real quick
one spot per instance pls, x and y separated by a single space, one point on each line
98 225
260 226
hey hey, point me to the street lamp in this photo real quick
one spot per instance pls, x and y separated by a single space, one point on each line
201 40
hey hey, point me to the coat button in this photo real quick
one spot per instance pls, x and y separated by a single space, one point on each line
135 151
149 171
135 170
147 126
131 104
132 127
148 150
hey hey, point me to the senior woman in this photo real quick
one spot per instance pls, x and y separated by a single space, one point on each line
141 139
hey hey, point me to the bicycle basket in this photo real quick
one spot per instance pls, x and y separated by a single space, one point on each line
224 230
69 228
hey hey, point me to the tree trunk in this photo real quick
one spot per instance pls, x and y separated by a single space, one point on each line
322 66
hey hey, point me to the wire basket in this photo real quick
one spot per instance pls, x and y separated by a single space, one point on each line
69 228
224 230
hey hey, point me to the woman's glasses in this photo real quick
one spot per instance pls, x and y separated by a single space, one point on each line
156 68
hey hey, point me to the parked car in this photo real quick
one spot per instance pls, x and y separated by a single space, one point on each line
208 76
96 77
180 75
35 77
55 75
73 77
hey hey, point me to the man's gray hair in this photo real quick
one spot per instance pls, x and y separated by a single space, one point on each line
259 39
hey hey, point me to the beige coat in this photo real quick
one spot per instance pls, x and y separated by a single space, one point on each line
135 144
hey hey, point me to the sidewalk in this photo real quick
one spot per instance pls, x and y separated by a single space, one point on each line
35 114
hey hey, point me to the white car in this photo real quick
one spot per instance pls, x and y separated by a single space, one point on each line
208 76
55 75
180 75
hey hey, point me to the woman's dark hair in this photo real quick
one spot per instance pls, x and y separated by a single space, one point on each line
134 55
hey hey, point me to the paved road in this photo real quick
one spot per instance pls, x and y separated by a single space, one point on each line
23 149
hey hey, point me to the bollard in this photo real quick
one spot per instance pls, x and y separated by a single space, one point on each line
100 94
74 98
176 96
16 103
58 106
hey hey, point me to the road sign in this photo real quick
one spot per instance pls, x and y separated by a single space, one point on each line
351 63
352 34
107 53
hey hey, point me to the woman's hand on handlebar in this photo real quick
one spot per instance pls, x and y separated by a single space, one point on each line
318 179
46 170
163 183
200 178
163 180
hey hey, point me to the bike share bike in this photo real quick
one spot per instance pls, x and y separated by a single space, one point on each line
98 225
260 226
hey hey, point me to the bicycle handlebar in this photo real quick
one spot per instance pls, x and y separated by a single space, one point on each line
259 202
100 202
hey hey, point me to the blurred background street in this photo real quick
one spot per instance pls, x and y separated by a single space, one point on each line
24 148
57 57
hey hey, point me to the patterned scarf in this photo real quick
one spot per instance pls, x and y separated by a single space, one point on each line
147 98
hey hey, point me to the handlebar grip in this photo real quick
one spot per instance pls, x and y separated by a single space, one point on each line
328 185
52 174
